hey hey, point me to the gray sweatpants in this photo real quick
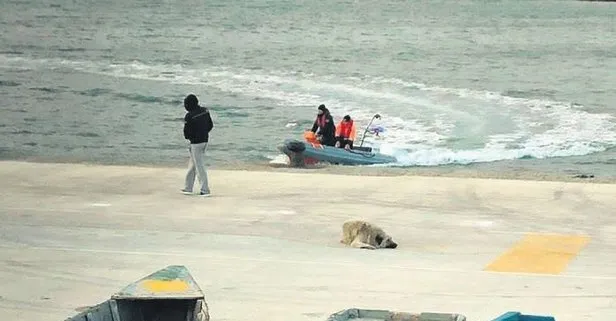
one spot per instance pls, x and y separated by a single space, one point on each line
196 164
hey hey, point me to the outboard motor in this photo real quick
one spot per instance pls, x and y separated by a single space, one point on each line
294 149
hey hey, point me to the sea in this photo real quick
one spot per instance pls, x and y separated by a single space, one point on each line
508 86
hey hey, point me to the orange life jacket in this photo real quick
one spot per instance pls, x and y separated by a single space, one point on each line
310 137
346 130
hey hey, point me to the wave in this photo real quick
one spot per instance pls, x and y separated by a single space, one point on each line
9 83
46 89
144 98
426 125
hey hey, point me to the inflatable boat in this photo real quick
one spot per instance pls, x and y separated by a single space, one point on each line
311 151
305 153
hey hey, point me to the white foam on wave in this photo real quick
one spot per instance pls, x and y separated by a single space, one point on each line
278 159
423 122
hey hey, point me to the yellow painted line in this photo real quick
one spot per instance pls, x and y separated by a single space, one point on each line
165 286
540 253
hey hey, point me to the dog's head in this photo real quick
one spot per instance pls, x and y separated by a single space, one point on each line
385 242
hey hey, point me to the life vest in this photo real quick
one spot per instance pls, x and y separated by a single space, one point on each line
310 137
346 130
321 120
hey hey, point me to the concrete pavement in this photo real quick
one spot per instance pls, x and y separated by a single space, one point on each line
265 245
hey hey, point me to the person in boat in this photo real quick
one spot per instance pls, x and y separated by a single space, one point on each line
324 127
345 133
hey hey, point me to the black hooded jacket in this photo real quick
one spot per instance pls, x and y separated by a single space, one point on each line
328 131
197 122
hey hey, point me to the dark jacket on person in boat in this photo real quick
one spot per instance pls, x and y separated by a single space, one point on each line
325 126
197 122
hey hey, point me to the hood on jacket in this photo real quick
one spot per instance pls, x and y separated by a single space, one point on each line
323 110
191 102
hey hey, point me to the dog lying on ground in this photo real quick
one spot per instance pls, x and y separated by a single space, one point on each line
363 235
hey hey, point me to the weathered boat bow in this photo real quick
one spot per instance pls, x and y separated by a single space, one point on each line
170 294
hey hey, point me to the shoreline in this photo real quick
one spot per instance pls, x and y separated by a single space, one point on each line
456 171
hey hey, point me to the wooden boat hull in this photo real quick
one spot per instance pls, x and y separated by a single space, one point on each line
170 294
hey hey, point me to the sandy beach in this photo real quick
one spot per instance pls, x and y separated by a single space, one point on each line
265 245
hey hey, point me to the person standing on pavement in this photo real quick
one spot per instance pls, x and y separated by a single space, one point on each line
197 126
